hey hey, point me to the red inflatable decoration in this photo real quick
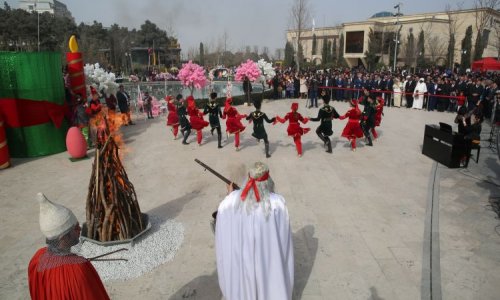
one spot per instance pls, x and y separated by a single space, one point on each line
75 143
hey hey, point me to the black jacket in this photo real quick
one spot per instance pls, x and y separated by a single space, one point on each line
325 115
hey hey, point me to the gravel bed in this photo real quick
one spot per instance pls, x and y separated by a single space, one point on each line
158 246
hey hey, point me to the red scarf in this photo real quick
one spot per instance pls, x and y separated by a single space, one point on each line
252 184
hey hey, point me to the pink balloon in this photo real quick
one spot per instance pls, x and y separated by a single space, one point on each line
75 143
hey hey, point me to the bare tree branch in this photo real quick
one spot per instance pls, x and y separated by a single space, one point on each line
300 18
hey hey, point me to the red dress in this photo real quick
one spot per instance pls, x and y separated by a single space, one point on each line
53 277
294 128
352 129
196 118
233 122
379 112
172 118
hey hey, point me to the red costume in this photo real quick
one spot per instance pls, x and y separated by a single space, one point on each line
196 118
294 130
378 115
53 277
352 129
233 121
172 118
95 105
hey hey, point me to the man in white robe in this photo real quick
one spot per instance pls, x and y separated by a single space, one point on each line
254 241
418 94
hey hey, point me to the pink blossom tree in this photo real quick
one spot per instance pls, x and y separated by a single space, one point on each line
251 71
248 69
192 76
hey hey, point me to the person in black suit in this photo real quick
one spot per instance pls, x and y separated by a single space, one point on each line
247 88
327 82
296 86
124 104
389 99
475 91
409 89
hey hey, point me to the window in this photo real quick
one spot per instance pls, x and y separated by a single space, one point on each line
486 37
354 41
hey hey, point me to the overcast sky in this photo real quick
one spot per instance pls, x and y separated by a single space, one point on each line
247 22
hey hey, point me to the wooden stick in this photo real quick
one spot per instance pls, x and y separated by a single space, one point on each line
106 254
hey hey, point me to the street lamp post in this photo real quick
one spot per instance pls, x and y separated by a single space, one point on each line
398 6
126 62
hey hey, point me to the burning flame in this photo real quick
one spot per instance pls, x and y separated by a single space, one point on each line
114 122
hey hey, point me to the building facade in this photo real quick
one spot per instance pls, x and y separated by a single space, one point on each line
54 7
435 26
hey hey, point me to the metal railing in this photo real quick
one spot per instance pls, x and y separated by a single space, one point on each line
160 89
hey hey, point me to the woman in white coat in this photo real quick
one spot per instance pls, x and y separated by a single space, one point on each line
303 87
396 87
418 94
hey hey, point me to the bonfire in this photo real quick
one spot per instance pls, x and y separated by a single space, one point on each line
113 212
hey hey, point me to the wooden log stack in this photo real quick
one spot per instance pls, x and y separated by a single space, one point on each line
113 212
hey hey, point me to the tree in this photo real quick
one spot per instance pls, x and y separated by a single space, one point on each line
324 52
436 48
410 49
300 17
451 51
6 6
482 17
373 50
265 53
300 54
478 46
314 45
149 34
466 48
421 49
341 61
453 23
202 55
289 55
192 76
333 55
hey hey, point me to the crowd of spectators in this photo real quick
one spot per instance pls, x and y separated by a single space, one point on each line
446 90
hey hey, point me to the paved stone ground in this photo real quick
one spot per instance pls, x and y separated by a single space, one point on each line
357 217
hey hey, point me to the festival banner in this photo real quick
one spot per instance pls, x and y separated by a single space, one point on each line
32 103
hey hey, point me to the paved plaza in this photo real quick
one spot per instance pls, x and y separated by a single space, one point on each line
359 218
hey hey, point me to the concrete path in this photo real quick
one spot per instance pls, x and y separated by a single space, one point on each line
358 217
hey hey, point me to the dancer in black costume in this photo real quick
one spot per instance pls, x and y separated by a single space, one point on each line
325 116
213 109
367 120
183 120
259 132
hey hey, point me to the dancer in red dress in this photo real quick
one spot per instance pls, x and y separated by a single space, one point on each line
172 118
233 122
352 129
378 115
196 119
294 130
